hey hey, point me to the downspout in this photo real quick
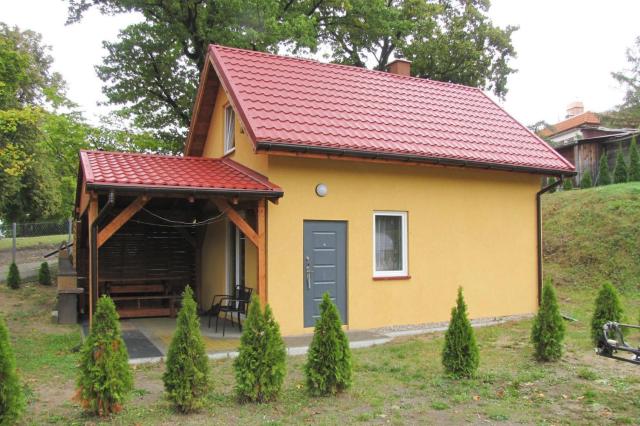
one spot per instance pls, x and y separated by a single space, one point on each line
94 246
545 189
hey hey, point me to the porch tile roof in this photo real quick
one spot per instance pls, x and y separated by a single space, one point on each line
297 104
119 169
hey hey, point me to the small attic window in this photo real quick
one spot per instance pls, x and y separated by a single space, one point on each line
229 129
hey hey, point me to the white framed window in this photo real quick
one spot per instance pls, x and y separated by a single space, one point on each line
390 244
229 129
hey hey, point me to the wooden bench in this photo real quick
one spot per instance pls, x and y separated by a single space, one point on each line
141 291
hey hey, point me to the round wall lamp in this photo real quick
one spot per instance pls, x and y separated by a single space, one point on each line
321 190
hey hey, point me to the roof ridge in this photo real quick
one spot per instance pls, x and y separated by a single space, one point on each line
351 67
145 154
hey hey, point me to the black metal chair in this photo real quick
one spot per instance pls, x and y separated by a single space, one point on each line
236 303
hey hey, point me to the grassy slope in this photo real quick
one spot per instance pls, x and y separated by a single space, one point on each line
28 242
593 235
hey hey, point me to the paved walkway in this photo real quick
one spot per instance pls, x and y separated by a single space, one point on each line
148 339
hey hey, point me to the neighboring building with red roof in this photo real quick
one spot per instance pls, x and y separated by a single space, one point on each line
582 140
299 178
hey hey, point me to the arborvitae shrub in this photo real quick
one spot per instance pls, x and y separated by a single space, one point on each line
460 356
11 395
620 173
105 378
547 333
567 184
586 181
186 379
634 161
328 368
13 277
607 308
604 177
260 366
44 274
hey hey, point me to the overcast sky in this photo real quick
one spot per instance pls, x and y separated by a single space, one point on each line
566 50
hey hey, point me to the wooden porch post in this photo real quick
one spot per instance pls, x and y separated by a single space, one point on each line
262 251
91 217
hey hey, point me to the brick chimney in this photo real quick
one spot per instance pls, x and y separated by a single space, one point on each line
574 108
400 66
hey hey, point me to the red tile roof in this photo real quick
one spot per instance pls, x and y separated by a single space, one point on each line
298 104
163 172
587 117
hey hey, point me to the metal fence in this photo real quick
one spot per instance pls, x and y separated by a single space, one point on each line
18 231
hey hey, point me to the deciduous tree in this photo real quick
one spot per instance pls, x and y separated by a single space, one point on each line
152 70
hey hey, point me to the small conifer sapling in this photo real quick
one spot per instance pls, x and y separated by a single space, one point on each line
13 277
105 378
607 308
329 367
460 356
12 401
186 380
604 177
260 366
548 331
44 274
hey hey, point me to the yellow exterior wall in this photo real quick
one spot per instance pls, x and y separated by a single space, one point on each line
214 257
214 145
469 228
466 227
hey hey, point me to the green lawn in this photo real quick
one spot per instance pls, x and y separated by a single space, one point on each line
590 236
398 383
28 242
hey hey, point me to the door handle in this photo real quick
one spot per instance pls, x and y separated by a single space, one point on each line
308 271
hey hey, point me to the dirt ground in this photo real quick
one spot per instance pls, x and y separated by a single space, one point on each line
26 255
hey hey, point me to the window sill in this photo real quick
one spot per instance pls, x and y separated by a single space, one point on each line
228 153
399 278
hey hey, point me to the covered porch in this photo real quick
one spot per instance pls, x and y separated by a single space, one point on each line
141 226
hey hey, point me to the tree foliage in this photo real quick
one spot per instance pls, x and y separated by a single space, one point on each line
460 356
151 72
586 181
547 333
186 379
567 184
13 276
627 114
634 161
12 401
607 308
329 368
620 173
105 378
260 366
26 85
604 177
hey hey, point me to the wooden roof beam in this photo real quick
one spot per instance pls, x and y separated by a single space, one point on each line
238 220
122 218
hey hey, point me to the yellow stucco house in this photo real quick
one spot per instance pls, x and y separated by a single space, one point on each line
387 191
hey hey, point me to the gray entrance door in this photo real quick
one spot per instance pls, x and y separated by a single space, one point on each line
324 267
